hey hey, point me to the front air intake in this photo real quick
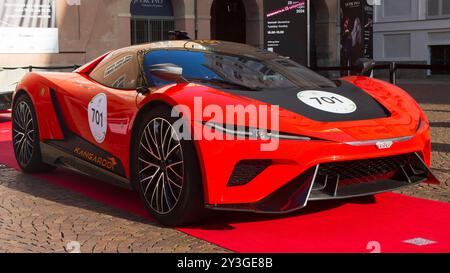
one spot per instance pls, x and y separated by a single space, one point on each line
360 177
246 170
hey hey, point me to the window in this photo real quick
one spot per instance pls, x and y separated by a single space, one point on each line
235 71
446 7
144 30
117 70
397 46
440 55
151 21
393 8
438 8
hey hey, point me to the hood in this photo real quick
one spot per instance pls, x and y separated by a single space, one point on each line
346 102
372 109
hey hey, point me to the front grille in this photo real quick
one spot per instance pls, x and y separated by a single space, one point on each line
360 169
362 177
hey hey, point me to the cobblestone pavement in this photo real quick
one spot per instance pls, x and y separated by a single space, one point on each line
439 116
39 217
434 97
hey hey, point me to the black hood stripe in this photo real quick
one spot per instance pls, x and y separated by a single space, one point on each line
367 106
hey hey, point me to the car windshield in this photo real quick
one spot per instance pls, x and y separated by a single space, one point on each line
235 71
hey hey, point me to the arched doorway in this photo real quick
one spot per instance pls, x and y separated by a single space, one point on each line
319 29
228 21
151 21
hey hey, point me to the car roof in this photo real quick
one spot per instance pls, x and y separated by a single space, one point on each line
201 45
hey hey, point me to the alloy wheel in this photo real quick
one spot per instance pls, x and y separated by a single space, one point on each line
160 165
23 133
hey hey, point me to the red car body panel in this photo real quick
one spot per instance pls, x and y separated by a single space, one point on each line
218 158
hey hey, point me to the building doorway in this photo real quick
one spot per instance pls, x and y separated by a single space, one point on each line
145 30
440 55
151 21
228 22
319 34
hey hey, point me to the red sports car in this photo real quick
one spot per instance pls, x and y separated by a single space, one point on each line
142 117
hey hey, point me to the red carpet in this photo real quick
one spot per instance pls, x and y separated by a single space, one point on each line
344 226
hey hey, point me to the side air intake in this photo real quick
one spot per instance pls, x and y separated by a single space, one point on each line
246 170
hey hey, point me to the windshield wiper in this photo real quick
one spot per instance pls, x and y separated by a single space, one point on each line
220 81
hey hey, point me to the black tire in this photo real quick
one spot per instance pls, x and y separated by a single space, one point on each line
25 136
156 172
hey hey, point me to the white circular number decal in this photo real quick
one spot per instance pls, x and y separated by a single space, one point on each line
97 115
328 102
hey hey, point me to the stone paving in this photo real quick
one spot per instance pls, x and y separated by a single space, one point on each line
38 217
434 98
439 116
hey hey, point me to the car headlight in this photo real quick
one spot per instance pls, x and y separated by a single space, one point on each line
253 133
419 124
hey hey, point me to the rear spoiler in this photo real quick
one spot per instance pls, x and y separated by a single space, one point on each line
87 68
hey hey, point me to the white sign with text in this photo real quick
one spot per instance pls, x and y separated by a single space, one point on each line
28 40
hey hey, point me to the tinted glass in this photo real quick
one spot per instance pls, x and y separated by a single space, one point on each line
239 71
433 7
117 70
445 7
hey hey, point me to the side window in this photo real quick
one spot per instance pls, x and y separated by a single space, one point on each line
120 71
194 64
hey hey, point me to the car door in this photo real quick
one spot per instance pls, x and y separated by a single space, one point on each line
99 108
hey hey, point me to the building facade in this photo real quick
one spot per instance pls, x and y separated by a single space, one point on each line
87 29
413 31
404 30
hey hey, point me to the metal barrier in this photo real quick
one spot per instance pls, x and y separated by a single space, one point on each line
397 66
31 67
393 67
348 69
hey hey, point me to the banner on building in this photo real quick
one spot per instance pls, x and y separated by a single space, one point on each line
286 28
356 31
28 26
151 8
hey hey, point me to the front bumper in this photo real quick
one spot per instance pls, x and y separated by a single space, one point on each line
342 180
291 179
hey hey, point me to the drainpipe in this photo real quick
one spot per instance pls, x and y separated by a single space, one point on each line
196 19
308 33
79 21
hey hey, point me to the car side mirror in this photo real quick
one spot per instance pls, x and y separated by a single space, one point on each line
168 72
142 90
364 66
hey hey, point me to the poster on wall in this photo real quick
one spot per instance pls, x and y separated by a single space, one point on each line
151 8
286 28
28 26
356 31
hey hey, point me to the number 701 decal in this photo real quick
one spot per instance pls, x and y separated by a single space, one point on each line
97 117
327 101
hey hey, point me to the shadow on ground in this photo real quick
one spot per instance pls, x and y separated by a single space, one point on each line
126 204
